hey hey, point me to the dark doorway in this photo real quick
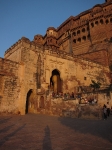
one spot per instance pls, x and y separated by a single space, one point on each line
55 81
41 105
27 100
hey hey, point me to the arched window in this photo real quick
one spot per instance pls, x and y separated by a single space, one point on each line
84 38
78 32
96 22
74 40
74 34
101 21
83 30
88 36
106 21
92 25
41 102
79 39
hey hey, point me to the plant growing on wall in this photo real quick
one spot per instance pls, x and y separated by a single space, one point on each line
95 85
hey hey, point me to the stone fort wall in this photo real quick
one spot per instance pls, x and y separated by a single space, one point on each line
79 49
10 78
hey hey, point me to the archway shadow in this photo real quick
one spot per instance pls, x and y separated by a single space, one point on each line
47 145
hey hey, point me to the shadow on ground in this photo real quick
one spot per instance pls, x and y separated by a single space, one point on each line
101 128
47 140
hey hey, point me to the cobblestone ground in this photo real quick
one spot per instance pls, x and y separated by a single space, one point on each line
43 132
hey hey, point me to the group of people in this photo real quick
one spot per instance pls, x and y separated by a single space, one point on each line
65 96
106 110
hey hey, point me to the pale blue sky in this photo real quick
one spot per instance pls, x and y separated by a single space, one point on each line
27 18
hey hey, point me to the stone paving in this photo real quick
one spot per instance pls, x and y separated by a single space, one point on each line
43 132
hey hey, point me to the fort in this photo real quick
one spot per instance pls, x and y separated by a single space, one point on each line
67 59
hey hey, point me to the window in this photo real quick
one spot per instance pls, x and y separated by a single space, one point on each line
83 30
96 22
74 34
107 21
78 32
92 24
74 40
85 78
88 36
84 38
101 21
79 40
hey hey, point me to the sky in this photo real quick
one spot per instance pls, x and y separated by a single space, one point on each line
27 18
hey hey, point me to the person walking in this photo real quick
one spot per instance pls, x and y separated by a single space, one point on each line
105 112
108 109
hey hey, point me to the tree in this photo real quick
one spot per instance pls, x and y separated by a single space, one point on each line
95 85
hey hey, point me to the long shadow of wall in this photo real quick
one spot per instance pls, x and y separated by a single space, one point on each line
100 128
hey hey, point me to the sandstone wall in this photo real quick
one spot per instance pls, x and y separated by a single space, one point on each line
14 52
75 71
10 78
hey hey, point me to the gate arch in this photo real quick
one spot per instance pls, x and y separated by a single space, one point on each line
28 101
55 81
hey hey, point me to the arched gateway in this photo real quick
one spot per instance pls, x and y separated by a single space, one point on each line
28 100
55 81
34 102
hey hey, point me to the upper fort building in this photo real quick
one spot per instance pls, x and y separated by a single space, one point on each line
81 35
64 59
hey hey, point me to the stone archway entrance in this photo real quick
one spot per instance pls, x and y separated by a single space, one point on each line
28 101
55 81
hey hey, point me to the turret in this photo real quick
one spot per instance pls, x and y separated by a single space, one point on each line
51 38
38 39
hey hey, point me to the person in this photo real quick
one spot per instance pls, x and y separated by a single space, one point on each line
105 112
72 95
108 109
95 100
68 95
65 96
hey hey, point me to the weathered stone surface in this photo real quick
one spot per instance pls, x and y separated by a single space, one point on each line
63 61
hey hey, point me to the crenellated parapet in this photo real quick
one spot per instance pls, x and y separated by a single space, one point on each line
13 48
14 52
